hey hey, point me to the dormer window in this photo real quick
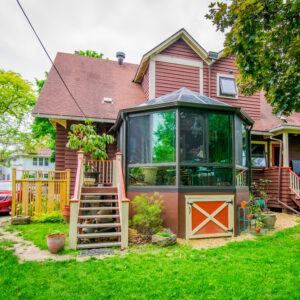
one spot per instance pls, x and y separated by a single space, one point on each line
226 86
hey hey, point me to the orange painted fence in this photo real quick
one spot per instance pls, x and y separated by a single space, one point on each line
39 192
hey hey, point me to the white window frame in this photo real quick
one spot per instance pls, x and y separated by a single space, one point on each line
218 86
35 164
266 153
48 161
42 160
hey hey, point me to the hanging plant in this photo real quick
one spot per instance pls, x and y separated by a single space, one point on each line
85 138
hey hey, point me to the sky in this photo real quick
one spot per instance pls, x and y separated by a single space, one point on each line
106 26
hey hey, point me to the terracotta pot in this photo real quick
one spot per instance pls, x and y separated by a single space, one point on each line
66 213
250 217
56 242
244 204
257 229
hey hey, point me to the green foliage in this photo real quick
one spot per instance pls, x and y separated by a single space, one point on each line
17 99
264 268
264 36
148 209
54 217
165 234
85 138
42 128
90 53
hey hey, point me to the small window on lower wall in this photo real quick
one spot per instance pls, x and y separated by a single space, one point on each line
206 176
151 176
258 156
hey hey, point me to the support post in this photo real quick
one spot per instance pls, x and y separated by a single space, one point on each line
13 193
115 174
124 225
68 186
285 142
73 224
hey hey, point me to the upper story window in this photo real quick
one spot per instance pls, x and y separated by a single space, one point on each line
46 161
34 161
258 157
226 86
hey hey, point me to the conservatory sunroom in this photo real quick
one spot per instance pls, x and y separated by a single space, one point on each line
185 143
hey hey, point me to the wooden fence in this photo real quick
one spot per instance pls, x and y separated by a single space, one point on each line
39 192
101 170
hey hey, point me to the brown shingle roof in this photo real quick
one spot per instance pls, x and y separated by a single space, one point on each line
89 80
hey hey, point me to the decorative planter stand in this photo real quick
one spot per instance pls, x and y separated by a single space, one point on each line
248 226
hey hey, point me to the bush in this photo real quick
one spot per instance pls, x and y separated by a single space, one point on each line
148 210
54 217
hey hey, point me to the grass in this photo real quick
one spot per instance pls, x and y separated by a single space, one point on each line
37 232
266 268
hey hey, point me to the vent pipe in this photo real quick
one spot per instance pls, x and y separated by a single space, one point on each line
120 56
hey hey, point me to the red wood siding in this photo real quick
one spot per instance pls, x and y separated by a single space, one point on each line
250 104
145 83
294 147
61 141
181 49
170 77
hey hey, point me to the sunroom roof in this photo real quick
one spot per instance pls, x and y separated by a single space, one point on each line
183 95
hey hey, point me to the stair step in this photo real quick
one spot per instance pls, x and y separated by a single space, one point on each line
98 225
99 200
99 234
98 245
99 208
99 194
98 216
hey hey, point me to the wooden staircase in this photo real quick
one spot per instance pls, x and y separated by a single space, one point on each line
295 188
98 223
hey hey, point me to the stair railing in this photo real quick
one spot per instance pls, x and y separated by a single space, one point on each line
122 200
294 183
74 202
240 178
103 169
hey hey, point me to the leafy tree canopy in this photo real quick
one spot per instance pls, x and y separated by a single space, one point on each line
17 99
264 37
90 53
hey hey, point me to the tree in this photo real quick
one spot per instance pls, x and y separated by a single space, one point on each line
17 99
90 53
42 128
264 37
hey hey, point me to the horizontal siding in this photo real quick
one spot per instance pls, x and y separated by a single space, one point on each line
182 50
61 141
170 77
250 104
294 147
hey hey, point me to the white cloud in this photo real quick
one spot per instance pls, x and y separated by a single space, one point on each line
132 26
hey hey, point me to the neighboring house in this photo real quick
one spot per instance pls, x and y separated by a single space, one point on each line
39 161
180 85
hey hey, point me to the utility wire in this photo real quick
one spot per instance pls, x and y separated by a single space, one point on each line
50 59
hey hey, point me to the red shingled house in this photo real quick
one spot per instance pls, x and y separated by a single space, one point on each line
183 128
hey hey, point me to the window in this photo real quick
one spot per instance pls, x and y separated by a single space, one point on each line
41 161
226 86
46 161
34 161
275 154
241 136
258 157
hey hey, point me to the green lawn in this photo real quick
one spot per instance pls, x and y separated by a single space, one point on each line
37 234
266 268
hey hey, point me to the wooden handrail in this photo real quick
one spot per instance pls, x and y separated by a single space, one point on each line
294 183
121 181
109 160
292 172
77 180
238 175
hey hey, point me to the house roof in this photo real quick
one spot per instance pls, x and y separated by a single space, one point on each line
41 152
90 80
183 97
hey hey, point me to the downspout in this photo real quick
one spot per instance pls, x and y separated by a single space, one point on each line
279 177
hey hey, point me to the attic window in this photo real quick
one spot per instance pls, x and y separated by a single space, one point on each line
227 86
107 100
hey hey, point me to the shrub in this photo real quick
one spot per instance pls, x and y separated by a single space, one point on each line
54 217
148 209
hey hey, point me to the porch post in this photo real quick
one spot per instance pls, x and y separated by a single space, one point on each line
285 142
73 224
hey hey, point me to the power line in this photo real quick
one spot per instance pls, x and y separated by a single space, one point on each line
50 59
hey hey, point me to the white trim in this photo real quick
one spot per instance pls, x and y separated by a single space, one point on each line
218 86
73 118
285 128
151 80
254 132
180 61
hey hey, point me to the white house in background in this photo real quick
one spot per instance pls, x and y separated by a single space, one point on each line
29 161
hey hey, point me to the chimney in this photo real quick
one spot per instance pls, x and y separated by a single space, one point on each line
120 56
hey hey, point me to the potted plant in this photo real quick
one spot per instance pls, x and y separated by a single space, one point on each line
244 204
85 138
56 241
260 190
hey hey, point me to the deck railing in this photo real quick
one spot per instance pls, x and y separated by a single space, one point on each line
294 183
101 169
39 192
240 178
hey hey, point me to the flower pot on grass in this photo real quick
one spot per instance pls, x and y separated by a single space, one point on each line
66 213
269 219
56 242
257 229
